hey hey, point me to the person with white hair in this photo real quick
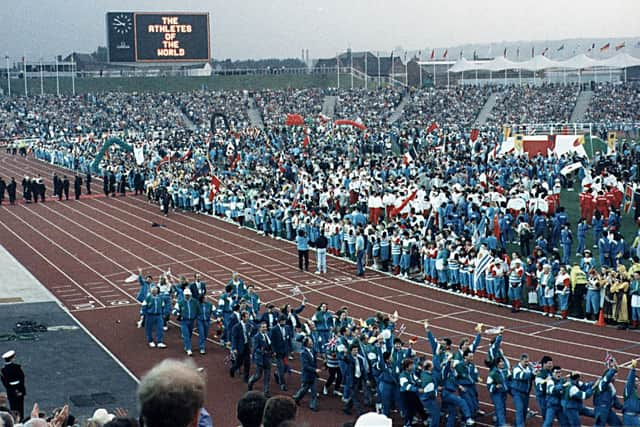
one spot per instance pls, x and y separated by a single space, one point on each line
172 394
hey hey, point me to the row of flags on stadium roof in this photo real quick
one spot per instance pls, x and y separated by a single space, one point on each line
592 48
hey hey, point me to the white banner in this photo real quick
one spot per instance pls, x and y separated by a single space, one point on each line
138 152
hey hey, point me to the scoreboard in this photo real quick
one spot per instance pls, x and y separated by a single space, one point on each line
158 37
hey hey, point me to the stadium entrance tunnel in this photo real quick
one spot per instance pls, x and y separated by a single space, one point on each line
108 143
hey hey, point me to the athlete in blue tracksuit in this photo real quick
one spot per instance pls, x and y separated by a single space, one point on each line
188 309
498 385
386 381
204 323
540 383
522 378
152 310
428 393
566 241
555 390
450 399
574 395
605 400
583 227
631 405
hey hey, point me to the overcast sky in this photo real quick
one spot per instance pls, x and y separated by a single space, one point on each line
281 28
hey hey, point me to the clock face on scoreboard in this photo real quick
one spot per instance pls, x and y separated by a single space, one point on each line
122 23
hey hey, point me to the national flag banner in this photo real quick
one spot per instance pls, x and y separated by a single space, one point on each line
628 198
561 47
433 126
131 279
444 55
605 47
332 342
504 54
612 139
533 51
405 202
570 168
433 53
305 141
475 133
544 52
506 132
536 366
496 227
235 162
609 360
518 53
482 265
138 153
215 187
407 158
620 46
186 156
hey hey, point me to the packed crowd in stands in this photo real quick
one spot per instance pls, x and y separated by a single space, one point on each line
548 103
615 103
370 107
444 213
457 106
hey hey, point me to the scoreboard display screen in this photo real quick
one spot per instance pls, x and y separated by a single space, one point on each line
158 37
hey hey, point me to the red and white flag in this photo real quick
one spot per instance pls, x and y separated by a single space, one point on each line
407 158
215 187
433 126
475 133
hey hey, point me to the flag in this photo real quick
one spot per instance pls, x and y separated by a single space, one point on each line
461 54
561 47
628 198
496 227
186 156
407 158
305 141
605 47
609 360
332 342
215 187
612 138
518 53
433 126
504 54
234 164
620 46
475 133
138 153
481 266
405 202
444 55
506 132
433 53
593 46
533 51
475 55
544 52
536 366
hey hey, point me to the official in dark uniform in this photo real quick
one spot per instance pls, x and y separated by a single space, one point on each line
310 373
105 184
3 187
13 381
11 191
65 187
87 182
56 185
122 185
77 186
112 184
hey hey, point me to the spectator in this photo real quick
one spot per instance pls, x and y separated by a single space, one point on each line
171 395
277 410
250 409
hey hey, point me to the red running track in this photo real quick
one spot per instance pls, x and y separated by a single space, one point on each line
83 250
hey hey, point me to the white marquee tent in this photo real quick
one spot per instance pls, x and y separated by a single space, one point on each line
540 62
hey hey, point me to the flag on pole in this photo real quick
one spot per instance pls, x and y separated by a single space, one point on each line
504 54
433 53
518 53
561 47
444 55
405 202
475 133
609 360
496 226
544 52
215 187
620 46
407 158
433 126
305 141
628 198
235 162
593 46
605 47
533 51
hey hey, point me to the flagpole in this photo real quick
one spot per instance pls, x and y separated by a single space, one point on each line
73 75
8 75
24 67
379 81
366 76
434 74
338 68
420 70
57 78
351 66
406 70
41 78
